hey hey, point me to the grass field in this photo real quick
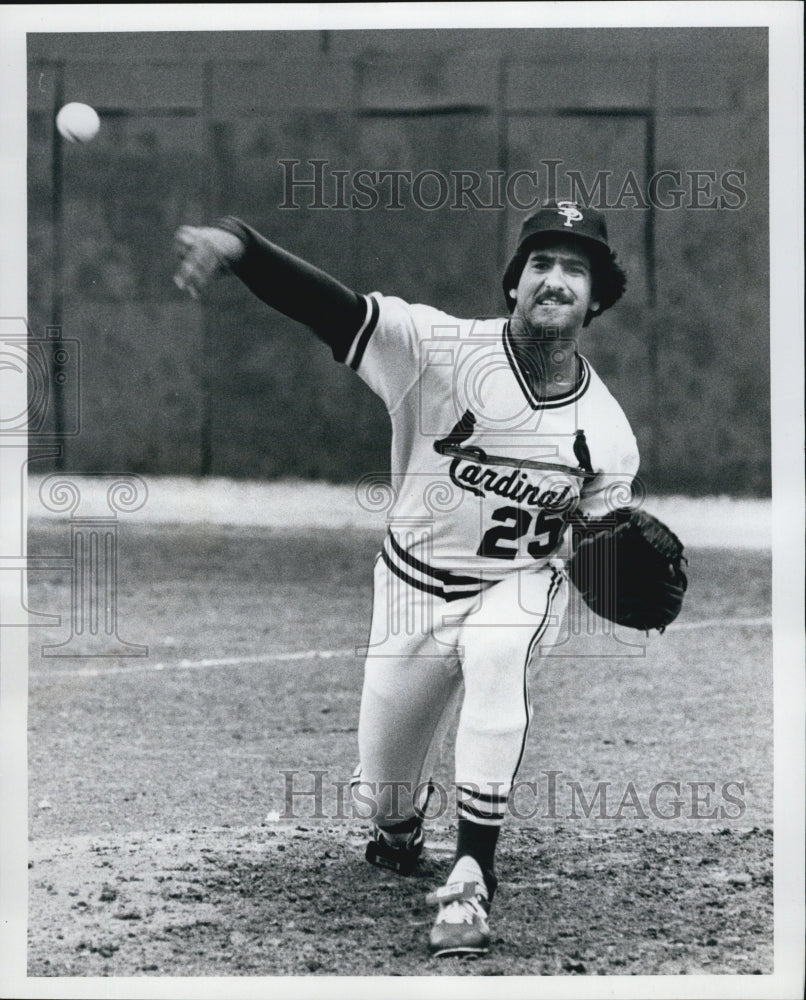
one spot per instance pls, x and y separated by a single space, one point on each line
157 795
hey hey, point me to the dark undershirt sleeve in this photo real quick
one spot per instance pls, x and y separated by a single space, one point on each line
297 289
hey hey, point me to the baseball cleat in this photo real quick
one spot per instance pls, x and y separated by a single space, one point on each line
461 926
401 859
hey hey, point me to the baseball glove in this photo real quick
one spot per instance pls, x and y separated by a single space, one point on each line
628 569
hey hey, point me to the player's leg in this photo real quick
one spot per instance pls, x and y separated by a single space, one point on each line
516 616
411 685
406 706
499 640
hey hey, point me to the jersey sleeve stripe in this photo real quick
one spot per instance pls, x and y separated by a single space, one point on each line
356 352
348 357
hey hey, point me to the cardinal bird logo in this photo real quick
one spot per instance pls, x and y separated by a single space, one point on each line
469 463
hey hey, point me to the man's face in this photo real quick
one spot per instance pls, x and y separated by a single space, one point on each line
555 288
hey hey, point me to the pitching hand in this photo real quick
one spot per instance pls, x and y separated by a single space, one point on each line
204 252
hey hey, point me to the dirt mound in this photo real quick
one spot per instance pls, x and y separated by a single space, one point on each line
295 899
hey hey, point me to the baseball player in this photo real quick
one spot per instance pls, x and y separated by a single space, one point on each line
503 436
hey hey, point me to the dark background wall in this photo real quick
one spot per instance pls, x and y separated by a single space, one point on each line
194 126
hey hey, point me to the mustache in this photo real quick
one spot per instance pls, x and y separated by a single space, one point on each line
561 297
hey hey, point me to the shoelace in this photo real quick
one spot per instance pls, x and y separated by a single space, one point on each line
405 845
461 911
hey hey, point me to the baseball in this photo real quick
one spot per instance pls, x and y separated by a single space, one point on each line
78 122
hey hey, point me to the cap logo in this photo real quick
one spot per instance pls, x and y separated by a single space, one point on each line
569 210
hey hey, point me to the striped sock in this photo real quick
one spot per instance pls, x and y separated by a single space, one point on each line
476 843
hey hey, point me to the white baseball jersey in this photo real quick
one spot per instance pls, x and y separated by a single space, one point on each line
485 473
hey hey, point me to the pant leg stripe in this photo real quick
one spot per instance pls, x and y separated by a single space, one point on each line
554 586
